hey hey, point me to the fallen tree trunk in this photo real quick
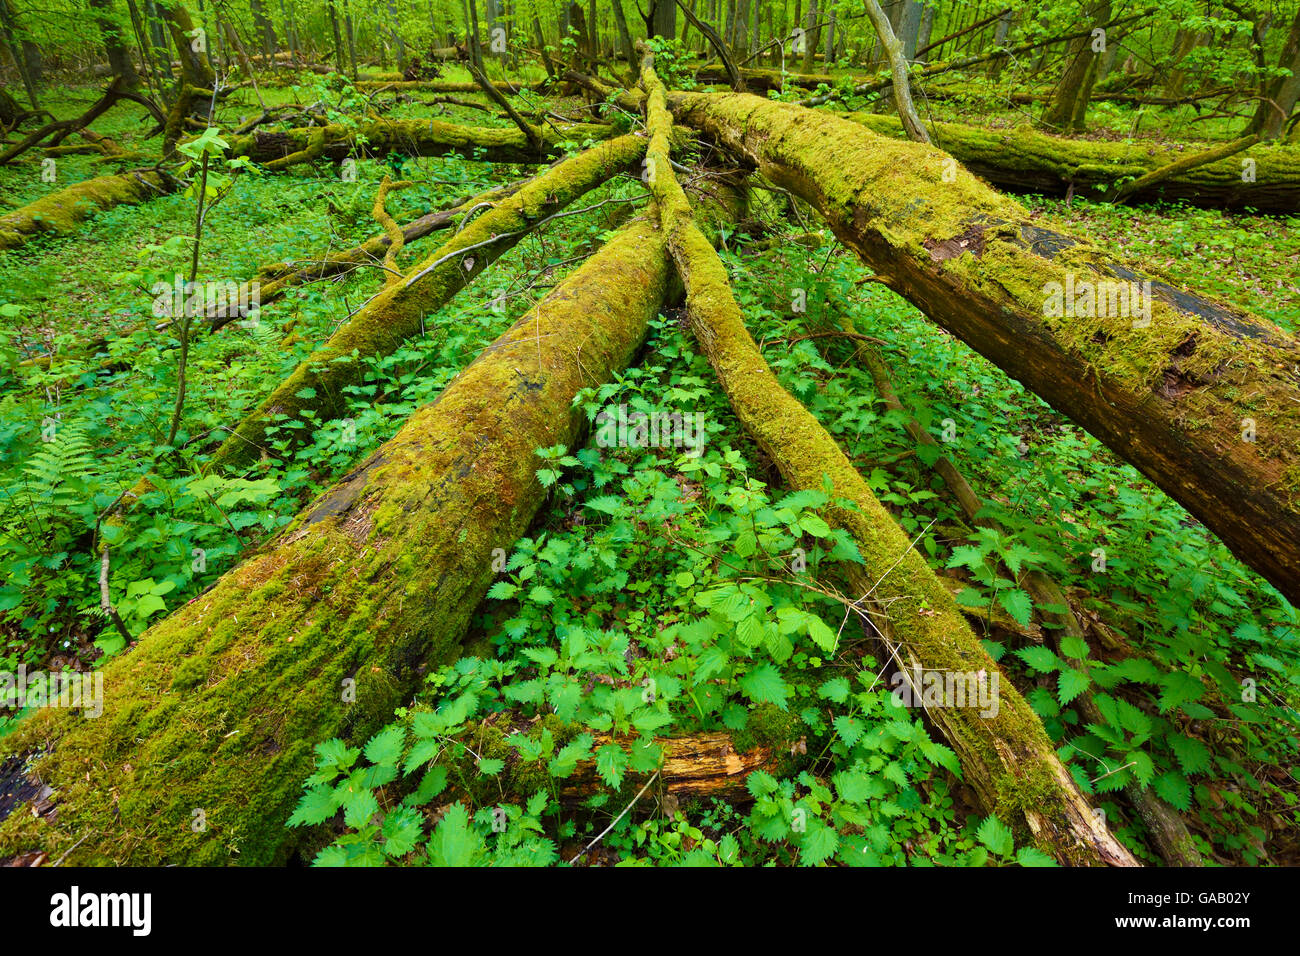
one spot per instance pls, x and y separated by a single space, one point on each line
1007 758
446 86
62 212
217 708
280 149
1025 160
398 311
1166 831
1202 398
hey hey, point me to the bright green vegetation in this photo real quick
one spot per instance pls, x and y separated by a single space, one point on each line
657 593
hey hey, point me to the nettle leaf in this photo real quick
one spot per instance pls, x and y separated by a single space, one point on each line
850 729
564 763
996 835
502 591
821 634
835 690
1075 647
818 844
611 762
1032 856
316 806
454 841
401 830
764 685
385 747
1018 604
1193 756
1040 658
1071 684
358 807
1172 787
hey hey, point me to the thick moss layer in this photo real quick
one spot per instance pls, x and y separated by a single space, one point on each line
61 212
411 137
397 313
1026 160
1172 395
218 707
1007 757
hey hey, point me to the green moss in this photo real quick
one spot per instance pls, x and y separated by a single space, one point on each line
397 312
218 707
61 212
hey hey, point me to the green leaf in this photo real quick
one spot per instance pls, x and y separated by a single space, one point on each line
454 842
763 685
1040 658
1074 647
1032 856
818 844
385 747
1018 604
996 835
1173 789
611 762
1071 684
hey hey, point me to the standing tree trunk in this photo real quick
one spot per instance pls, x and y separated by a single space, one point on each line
1080 59
9 30
898 69
1280 95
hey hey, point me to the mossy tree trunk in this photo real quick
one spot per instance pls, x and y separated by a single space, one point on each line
1023 160
397 312
1007 758
329 627
281 149
1203 398
62 212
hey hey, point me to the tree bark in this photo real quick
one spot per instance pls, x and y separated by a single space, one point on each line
217 707
898 69
1200 397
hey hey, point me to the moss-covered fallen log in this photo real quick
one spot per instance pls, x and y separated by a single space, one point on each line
1203 398
62 212
445 86
283 148
213 715
1006 757
1025 160
397 312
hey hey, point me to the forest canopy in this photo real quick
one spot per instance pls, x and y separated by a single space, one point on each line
672 432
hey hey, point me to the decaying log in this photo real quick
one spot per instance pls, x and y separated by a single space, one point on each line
217 707
1203 398
397 312
62 212
1006 756
1025 160
279 149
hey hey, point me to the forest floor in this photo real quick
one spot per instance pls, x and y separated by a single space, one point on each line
612 550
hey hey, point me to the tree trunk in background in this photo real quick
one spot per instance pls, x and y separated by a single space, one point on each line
340 53
196 69
909 29
9 30
1001 34
898 69
395 28
1199 397
624 37
663 19
812 36
1282 92
1079 60
924 30
265 29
